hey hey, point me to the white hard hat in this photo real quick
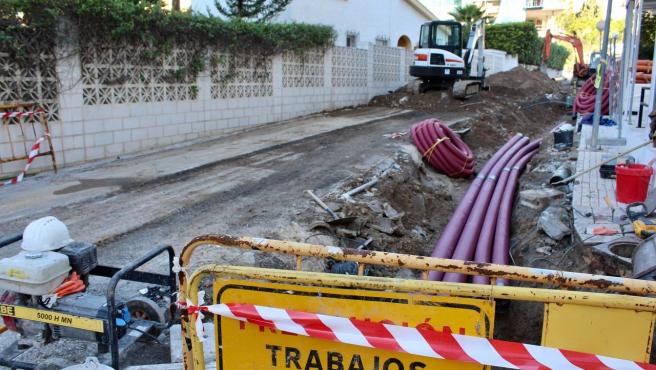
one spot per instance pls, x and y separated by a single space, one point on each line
45 234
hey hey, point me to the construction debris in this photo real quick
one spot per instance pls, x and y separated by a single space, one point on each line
392 213
553 221
539 199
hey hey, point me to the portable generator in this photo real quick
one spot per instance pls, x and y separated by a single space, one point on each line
44 294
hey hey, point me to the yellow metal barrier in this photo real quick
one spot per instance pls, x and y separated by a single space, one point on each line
617 325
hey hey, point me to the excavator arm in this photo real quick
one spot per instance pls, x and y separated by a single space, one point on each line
580 68
468 87
476 40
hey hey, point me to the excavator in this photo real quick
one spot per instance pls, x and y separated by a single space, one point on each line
441 62
582 71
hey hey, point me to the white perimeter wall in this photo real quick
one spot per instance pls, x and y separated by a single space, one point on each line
109 105
495 61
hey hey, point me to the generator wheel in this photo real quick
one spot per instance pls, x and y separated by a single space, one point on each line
142 308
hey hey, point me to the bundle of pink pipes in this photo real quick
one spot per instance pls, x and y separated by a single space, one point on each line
479 229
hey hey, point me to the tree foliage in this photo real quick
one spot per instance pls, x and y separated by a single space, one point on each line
467 15
255 10
584 24
647 36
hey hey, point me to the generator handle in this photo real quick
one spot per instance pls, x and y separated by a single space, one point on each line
111 294
7 240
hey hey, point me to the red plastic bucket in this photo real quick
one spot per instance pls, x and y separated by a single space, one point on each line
632 182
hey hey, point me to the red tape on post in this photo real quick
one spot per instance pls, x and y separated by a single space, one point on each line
34 152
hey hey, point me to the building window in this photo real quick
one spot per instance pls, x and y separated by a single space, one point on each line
538 24
533 4
382 41
351 40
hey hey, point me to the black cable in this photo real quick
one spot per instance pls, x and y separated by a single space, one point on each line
146 334
43 304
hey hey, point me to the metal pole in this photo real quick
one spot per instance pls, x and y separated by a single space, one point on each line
634 56
652 90
612 80
481 52
600 78
517 273
624 72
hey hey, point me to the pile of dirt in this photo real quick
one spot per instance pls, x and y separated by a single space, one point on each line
403 213
496 123
519 101
520 82
430 101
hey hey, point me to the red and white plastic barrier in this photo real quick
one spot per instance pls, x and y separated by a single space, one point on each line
34 152
420 341
7 115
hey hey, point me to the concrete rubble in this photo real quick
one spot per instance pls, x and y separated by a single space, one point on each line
553 221
539 199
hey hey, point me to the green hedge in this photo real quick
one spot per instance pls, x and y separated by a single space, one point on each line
146 21
522 39
558 57
515 38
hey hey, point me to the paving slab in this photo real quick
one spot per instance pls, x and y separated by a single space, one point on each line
590 191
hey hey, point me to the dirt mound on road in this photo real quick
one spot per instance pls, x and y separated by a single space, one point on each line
497 123
430 101
519 83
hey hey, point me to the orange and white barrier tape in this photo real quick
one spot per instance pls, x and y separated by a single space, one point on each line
420 341
34 152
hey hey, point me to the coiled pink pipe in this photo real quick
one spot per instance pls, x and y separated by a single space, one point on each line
442 148
585 98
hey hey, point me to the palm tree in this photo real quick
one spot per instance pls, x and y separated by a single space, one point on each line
467 15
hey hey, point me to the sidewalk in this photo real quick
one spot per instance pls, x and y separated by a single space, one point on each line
590 189
94 180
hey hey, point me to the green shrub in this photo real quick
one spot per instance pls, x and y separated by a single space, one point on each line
518 39
522 39
558 57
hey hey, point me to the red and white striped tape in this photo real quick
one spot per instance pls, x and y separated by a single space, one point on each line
418 341
7 115
34 152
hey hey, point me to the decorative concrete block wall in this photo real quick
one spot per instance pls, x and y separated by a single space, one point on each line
109 103
20 82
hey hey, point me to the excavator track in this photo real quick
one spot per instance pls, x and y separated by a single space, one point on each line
465 89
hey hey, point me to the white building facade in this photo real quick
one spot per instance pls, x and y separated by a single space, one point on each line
358 22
